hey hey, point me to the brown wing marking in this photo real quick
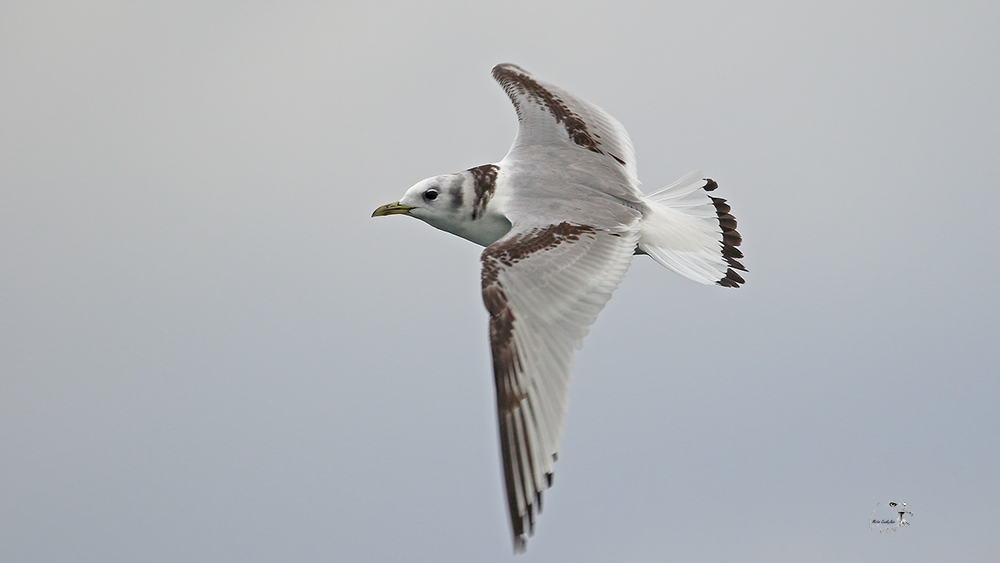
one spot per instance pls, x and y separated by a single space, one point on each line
518 83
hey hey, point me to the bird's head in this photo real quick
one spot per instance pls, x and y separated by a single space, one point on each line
440 201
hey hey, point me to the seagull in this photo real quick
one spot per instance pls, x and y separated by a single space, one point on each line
561 217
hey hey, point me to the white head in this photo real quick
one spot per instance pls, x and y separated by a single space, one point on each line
439 201
456 203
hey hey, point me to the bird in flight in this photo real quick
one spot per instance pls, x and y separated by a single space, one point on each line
561 217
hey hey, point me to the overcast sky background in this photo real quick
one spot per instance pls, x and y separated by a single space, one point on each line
210 352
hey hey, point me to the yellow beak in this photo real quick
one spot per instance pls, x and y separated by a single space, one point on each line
393 208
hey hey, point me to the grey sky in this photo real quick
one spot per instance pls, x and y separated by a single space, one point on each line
210 352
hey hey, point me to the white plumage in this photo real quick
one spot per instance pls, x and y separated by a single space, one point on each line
561 217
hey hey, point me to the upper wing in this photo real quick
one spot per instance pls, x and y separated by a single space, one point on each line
543 285
551 117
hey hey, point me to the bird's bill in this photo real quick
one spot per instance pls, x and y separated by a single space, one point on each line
394 208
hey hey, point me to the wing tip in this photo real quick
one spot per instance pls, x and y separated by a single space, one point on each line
501 69
520 544
523 521
524 524
521 86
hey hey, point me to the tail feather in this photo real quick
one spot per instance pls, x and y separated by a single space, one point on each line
693 233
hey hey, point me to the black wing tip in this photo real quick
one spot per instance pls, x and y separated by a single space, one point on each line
520 84
523 525
508 68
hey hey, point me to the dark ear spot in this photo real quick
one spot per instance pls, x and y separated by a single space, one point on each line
457 197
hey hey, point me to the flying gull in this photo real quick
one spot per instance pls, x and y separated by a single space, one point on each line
561 217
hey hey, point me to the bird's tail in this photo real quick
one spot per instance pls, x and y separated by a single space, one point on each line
692 233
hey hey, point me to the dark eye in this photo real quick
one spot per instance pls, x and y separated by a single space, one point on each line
431 194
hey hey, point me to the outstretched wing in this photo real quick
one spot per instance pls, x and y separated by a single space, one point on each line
552 118
571 194
543 285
